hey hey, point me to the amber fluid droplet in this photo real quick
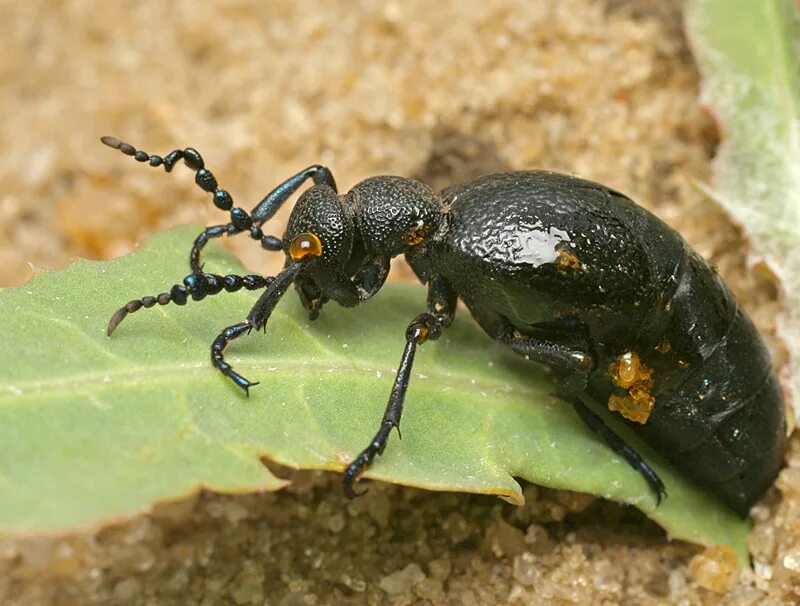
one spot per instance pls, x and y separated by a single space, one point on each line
304 246
628 368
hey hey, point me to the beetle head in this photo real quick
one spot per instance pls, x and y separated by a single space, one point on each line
319 215
331 236
319 235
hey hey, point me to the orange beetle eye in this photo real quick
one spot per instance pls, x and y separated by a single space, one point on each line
304 246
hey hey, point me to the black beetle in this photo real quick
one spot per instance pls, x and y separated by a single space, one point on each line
566 272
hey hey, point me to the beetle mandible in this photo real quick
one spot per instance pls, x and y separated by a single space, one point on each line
566 272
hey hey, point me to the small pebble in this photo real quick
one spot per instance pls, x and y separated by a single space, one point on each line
403 580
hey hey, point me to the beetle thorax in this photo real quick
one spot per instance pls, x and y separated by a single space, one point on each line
393 214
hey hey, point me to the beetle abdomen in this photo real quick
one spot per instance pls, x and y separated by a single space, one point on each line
723 424
532 248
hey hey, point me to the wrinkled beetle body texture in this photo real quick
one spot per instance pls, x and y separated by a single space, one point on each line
631 283
565 272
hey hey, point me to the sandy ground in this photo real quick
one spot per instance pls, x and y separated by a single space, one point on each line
603 88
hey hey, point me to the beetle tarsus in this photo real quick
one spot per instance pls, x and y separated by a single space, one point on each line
618 445
243 383
200 241
363 461
351 476
661 492
349 491
218 358
257 318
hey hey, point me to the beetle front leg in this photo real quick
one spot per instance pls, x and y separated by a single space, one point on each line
257 318
427 326
218 357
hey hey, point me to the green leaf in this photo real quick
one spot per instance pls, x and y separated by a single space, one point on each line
749 55
94 428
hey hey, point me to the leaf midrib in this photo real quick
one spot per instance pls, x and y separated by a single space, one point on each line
91 383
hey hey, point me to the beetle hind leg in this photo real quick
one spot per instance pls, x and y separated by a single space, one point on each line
618 445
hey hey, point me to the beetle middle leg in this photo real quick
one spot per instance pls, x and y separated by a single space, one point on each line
348 292
552 344
427 326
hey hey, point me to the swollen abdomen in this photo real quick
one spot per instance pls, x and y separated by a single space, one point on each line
724 423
